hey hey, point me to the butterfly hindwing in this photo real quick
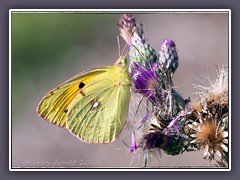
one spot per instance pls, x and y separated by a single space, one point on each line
97 115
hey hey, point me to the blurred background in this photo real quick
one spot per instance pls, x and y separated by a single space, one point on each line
49 48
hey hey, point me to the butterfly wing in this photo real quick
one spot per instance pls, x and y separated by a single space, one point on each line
97 115
54 106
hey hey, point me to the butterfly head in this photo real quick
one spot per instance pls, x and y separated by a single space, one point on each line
121 62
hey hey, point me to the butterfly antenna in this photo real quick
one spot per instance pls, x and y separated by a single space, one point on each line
119 46
125 49
127 43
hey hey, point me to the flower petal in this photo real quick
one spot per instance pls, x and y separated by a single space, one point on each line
225 141
225 134
219 153
206 151
145 118
224 147
193 141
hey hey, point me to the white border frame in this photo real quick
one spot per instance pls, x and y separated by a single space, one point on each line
117 11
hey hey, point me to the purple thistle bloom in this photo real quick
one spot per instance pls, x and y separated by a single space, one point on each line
139 50
145 81
127 20
170 144
127 26
155 140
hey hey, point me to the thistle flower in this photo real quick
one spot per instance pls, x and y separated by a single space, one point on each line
210 136
170 144
156 84
215 96
151 78
155 139
208 122
168 56
127 26
139 50
171 138
174 127
145 81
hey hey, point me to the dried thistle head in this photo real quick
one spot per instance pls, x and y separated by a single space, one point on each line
208 122
210 136
219 90
215 95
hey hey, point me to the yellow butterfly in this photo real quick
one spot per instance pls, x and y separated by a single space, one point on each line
93 106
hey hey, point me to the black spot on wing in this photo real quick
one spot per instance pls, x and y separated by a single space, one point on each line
66 110
81 85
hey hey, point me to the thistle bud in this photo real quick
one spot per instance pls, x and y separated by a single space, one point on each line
127 26
175 145
170 144
168 56
139 50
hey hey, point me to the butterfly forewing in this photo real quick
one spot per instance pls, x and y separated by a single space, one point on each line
55 105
